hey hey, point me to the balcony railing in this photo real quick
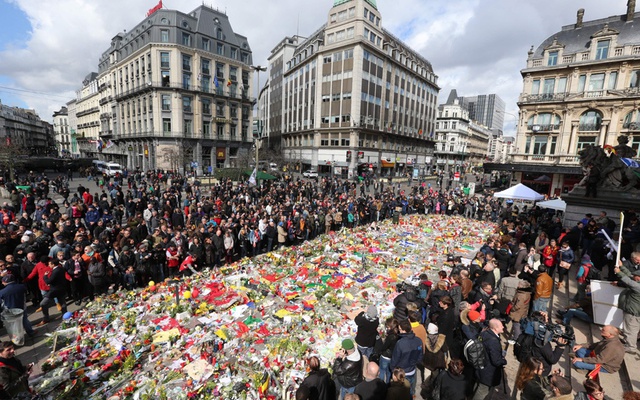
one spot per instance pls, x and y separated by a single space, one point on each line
543 128
589 127
178 135
553 159
222 90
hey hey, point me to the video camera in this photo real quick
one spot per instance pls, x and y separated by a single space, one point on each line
561 331
547 332
406 287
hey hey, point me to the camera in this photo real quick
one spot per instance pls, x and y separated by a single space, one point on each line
406 287
561 331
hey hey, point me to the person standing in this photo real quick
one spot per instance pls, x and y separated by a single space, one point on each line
367 333
57 289
372 388
318 383
491 375
407 353
14 377
542 293
629 302
347 367
13 296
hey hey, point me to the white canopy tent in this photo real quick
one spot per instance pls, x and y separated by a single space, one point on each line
519 192
555 204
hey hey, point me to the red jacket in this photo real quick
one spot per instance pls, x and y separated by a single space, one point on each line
40 269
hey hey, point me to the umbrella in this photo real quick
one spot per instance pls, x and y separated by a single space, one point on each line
519 192
555 204
261 175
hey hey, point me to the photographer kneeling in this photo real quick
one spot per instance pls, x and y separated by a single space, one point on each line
547 353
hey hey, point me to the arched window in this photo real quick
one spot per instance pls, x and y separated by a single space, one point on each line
544 122
632 121
590 121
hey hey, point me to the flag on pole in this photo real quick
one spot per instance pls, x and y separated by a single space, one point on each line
109 144
99 144
228 82
254 174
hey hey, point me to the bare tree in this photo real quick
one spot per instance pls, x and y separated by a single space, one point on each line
13 155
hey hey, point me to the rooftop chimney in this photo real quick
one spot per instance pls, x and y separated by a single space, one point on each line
580 16
631 9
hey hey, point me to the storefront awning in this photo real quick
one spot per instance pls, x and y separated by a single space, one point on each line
387 164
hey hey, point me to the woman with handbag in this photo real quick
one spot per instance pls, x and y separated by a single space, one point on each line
550 256
566 258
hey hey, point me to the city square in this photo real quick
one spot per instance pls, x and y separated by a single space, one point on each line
222 210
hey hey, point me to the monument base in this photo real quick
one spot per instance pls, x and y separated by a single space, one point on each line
610 201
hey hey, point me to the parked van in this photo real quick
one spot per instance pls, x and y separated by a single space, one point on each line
113 169
101 166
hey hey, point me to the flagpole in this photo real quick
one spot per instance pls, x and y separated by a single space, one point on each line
620 239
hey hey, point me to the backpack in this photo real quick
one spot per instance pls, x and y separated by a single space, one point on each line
474 353
594 274
523 346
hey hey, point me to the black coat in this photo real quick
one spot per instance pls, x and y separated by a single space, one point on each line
451 387
372 390
347 372
491 374
320 385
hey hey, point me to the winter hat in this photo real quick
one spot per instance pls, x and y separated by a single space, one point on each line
372 312
347 344
473 315
432 329
586 258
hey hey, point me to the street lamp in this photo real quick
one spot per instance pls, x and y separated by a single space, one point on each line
258 69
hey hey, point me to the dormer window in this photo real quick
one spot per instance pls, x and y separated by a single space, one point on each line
602 50
553 58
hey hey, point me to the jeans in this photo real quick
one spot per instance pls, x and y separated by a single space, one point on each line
541 304
344 391
48 302
584 352
365 351
576 313
27 324
385 372
515 330
412 380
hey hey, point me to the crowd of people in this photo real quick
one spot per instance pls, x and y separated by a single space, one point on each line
123 232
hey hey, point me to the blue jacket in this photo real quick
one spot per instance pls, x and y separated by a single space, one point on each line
92 216
13 295
407 353
491 374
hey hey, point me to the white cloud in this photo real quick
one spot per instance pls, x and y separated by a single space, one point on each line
475 46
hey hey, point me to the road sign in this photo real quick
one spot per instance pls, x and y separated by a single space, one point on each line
456 176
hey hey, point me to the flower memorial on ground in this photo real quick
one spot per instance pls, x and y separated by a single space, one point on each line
243 332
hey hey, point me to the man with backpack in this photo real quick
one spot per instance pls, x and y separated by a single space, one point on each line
491 375
534 343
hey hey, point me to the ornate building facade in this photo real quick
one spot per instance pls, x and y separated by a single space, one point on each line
581 87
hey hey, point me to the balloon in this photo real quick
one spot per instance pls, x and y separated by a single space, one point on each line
67 315
187 294
152 283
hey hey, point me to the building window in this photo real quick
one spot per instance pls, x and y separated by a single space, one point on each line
602 50
613 80
549 85
206 129
186 62
596 82
581 82
350 33
186 103
166 102
205 66
220 49
164 60
206 44
584 141
186 81
535 87
324 142
220 71
233 74
553 58
331 38
220 130
562 85
188 127
165 79
220 109
205 82
164 36
590 121
635 79
345 142
186 39
540 145
206 106
166 125
234 53
334 142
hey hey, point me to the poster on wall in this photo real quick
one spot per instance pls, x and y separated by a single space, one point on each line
604 297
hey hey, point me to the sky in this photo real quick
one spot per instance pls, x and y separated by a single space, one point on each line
475 46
